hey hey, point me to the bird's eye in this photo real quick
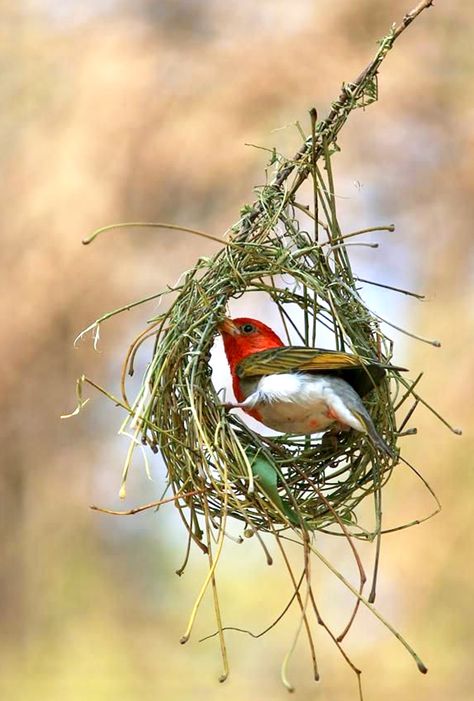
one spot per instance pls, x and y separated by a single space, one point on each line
247 328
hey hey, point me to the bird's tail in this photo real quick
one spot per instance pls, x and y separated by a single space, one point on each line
374 436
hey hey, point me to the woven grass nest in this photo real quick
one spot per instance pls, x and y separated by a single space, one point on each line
180 413
217 466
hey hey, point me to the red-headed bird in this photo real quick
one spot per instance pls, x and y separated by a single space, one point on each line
295 389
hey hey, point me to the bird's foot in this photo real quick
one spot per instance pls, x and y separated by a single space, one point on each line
330 440
339 427
332 437
227 406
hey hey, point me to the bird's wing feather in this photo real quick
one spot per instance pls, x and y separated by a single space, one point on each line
295 358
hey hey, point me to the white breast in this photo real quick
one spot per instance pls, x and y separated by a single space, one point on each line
294 403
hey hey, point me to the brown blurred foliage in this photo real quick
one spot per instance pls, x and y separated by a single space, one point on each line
128 110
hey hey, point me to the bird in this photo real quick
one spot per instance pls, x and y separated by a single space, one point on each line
297 389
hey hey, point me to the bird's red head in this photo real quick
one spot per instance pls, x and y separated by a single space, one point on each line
243 336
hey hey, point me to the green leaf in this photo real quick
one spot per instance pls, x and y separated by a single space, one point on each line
267 479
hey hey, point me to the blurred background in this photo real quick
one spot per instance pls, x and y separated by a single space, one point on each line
116 110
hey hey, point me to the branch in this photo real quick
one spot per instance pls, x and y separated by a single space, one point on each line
328 129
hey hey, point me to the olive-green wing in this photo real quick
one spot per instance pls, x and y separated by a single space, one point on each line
362 375
295 359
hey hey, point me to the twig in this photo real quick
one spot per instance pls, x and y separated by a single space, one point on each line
150 225
152 505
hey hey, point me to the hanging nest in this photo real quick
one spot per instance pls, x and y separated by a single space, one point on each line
217 467
319 481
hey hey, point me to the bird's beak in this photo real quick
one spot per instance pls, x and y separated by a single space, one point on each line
228 326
